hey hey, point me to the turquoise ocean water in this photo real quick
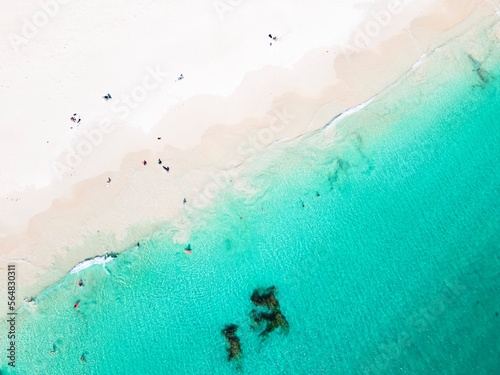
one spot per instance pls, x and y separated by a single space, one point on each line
394 268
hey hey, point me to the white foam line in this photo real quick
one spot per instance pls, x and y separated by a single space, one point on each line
419 61
283 139
348 112
87 263
340 116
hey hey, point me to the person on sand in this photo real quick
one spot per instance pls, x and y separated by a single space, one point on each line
273 38
73 118
109 180
159 161
145 162
184 201
166 168
107 97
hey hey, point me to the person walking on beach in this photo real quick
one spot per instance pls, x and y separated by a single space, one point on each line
145 162
107 97
159 161
166 168
184 201
109 180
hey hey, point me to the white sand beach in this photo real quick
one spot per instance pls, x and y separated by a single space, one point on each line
238 95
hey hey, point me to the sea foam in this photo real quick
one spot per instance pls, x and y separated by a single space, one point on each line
89 262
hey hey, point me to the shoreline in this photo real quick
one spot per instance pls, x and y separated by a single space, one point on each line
84 221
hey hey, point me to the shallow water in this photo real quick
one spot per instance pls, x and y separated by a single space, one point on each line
394 268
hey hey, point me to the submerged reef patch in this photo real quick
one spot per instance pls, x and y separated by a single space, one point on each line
234 348
272 318
266 298
267 313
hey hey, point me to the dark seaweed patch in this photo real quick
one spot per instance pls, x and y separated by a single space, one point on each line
234 348
272 318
